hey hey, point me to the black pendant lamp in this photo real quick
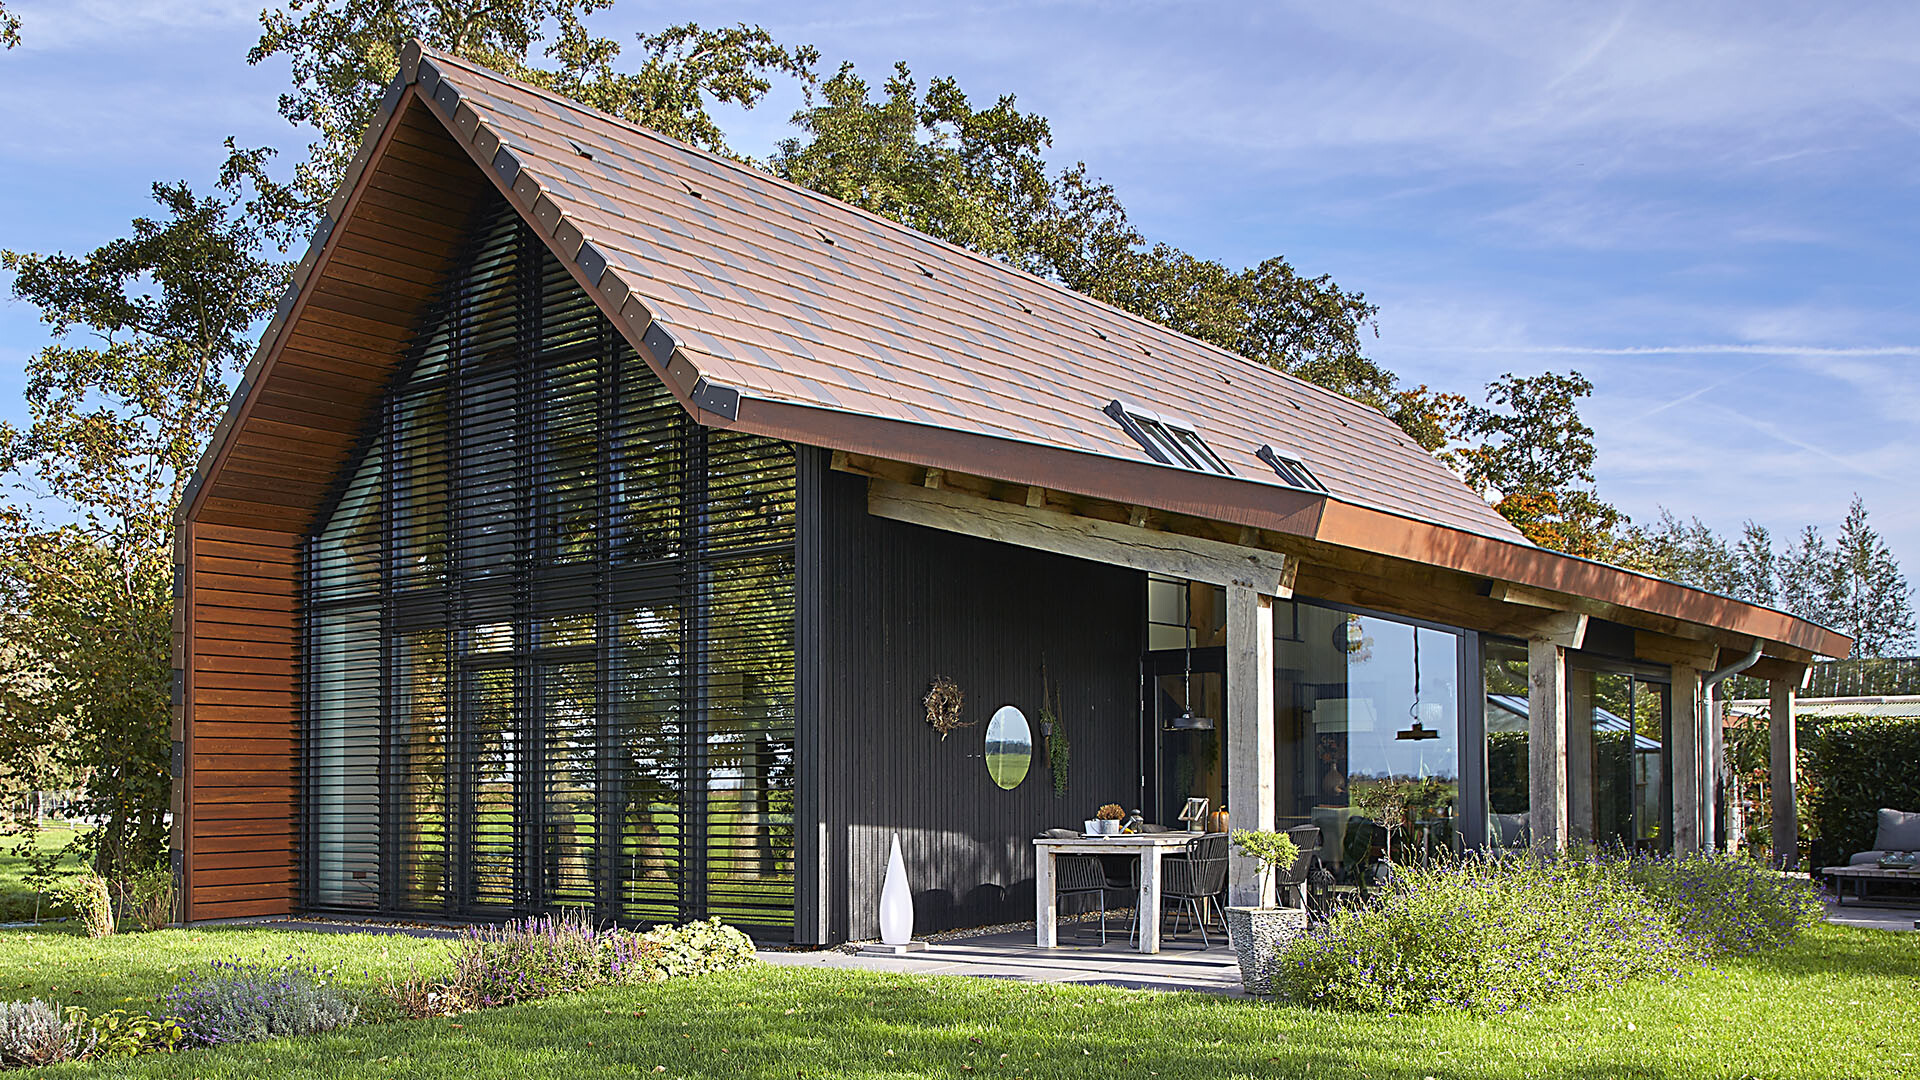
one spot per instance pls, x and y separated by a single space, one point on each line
1186 721
1418 731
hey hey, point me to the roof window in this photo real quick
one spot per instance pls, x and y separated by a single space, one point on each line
1167 440
1292 471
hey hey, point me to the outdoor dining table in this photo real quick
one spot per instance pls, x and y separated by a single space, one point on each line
1149 848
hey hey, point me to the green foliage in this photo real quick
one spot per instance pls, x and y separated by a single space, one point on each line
1272 850
123 1034
1054 727
1504 932
116 427
1730 904
1491 935
1537 454
1853 766
147 896
91 900
697 948
9 28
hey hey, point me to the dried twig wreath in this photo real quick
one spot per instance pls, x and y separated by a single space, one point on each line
943 706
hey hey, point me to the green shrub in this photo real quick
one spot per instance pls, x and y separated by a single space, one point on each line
91 900
1851 767
241 1001
697 948
148 897
1494 933
123 1034
1729 904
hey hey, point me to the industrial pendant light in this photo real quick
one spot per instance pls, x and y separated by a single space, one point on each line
1418 731
1186 721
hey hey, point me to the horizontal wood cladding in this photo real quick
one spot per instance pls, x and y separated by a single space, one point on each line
238 627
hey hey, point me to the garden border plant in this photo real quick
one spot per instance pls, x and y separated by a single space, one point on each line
240 1000
1504 931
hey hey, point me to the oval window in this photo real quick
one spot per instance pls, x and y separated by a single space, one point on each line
1009 747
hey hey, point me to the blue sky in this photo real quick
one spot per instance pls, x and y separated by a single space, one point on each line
1707 209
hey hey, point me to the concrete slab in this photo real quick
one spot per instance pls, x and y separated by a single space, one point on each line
1874 915
1182 964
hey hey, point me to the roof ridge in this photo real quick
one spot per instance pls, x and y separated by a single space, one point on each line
1267 370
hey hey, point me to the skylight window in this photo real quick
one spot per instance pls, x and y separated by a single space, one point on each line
1292 471
1168 440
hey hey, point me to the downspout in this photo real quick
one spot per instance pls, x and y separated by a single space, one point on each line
1717 748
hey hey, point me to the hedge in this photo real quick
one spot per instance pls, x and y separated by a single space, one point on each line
1850 767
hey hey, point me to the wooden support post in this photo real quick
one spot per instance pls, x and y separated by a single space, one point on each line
1250 731
1547 743
1688 753
1580 824
1786 819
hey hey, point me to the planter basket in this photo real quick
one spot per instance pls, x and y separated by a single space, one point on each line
1259 935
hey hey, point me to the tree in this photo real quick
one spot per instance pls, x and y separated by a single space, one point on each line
1756 567
1536 455
9 28
1685 551
345 52
1867 596
116 427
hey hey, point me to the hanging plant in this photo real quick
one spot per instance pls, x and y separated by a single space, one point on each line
944 701
1054 727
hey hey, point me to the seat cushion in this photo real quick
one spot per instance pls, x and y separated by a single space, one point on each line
1865 858
1899 831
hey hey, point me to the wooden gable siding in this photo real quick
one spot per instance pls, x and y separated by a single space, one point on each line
237 621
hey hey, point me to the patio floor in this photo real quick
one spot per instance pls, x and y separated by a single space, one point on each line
1181 964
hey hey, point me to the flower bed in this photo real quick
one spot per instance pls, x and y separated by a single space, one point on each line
1503 932
244 1001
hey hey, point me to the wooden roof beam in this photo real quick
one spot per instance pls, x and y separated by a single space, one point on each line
1095 539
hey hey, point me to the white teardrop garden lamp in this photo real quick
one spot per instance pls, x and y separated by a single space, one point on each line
896 909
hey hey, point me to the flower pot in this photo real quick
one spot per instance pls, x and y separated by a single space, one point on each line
1259 935
1108 828
1091 827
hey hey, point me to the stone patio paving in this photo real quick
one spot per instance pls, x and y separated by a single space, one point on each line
1181 964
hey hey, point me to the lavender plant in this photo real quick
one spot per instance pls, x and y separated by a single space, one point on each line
534 958
1730 904
1490 933
34 1033
240 1001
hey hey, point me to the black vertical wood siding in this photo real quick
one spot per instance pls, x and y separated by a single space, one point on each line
885 607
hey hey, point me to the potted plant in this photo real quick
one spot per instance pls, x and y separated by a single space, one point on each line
1260 933
1106 821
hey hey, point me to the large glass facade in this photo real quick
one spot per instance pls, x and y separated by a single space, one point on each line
1367 722
1618 751
549 630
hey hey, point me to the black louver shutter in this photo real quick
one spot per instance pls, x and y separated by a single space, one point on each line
549 630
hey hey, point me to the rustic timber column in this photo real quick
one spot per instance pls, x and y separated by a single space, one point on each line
1547 743
1688 754
1786 818
1250 735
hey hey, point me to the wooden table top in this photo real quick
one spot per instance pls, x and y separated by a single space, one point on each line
1870 870
1165 839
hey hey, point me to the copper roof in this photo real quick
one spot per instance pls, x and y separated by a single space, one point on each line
776 310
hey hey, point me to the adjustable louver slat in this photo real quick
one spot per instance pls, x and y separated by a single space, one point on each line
549 626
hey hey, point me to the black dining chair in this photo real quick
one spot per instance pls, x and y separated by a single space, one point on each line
1196 881
1307 839
1082 875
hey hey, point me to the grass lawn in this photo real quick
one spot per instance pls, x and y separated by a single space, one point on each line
16 899
1839 1005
